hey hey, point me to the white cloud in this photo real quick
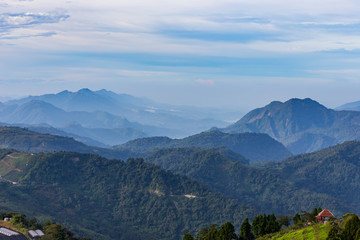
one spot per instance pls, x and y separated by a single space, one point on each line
140 26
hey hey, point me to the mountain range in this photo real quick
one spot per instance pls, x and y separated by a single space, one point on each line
96 112
247 147
140 199
256 147
302 125
104 118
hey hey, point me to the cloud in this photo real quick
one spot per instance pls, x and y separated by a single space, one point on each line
207 82
15 20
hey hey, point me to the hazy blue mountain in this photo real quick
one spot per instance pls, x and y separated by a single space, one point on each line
119 200
101 126
180 121
108 136
37 112
301 125
353 106
253 146
28 141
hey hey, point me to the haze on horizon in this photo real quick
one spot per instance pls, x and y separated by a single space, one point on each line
240 54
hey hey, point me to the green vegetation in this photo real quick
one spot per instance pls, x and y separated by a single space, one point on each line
20 223
268 227
326 177
263 188
24 140
111 199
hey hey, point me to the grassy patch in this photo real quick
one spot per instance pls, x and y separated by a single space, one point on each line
314 232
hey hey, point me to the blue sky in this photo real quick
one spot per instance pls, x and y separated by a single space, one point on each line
233 53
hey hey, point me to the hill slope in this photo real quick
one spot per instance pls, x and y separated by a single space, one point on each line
28 141
264 187
253 146
301 125
328 178
119 200
334 171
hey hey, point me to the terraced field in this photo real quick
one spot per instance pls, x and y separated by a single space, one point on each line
12 166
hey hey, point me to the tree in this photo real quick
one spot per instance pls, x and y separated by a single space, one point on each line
297 219
188 236
315 212
307 217
272 224
208 233
351 228
56 231
213 232
284 220
20 220
227 232
333 234
202 234
259 225
245 231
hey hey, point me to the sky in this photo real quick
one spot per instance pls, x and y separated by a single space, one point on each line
238 54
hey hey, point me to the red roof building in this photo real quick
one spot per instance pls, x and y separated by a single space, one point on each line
324 215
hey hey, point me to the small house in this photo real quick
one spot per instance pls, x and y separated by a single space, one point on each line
324 216
8 234
36 234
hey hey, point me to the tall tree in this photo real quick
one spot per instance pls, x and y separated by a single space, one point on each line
351 228
245 231
297 219
315 212
188 236
334 234
272 225
227 232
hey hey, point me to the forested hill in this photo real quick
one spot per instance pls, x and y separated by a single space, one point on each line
111 199
253 146
263 187
334 171
25 140
325 178
302 125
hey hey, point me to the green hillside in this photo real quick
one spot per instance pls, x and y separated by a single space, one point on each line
260 186
111 199
329 177
313 232
22 139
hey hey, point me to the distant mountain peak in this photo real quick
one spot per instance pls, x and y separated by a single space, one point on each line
84 90
302 125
